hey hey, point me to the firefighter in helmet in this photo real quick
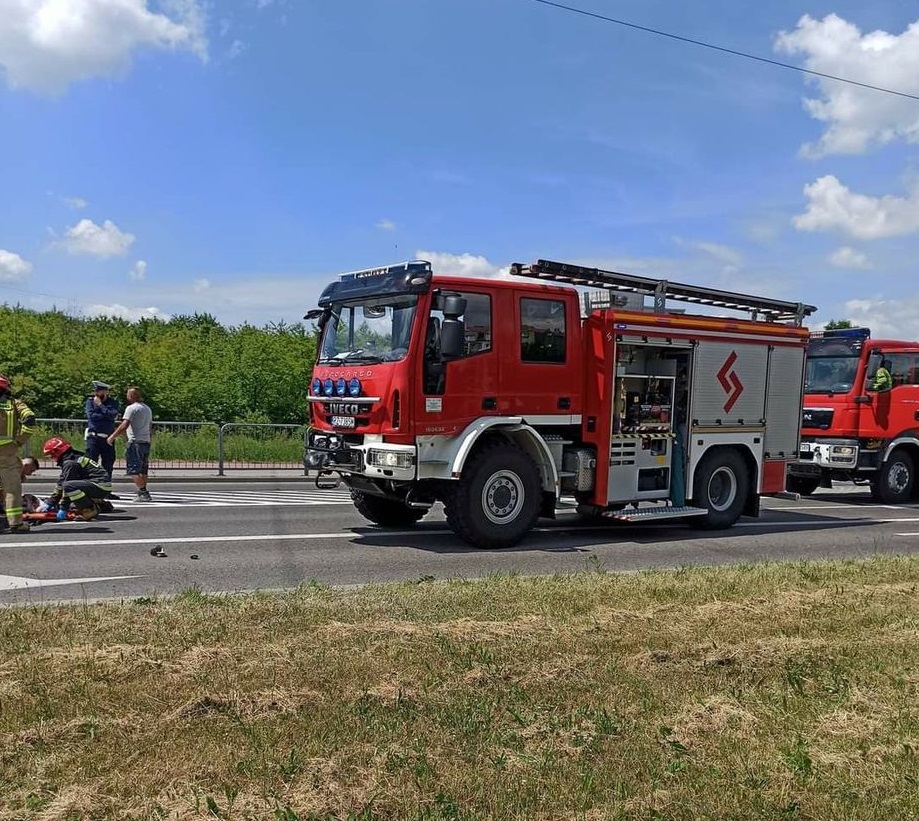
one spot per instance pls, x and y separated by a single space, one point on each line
82 483
17 424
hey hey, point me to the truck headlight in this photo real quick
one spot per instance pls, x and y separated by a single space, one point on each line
844 450
390 459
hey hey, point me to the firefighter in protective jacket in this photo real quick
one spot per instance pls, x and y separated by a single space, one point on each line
17 424
82 480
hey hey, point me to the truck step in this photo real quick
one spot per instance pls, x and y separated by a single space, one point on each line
651 514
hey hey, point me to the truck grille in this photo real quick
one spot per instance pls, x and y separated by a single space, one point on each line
817 418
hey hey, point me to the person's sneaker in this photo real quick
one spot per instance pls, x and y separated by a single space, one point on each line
143 496
22 527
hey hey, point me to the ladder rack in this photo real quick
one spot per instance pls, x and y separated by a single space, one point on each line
772 310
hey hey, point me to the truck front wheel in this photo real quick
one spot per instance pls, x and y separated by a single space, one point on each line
497 499
385 512
722 485
896 479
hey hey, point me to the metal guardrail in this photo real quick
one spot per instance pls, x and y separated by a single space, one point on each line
242 445
196 445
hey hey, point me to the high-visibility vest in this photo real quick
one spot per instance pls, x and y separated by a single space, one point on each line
16 419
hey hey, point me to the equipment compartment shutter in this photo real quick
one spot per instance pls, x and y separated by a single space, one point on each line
783 402
729 387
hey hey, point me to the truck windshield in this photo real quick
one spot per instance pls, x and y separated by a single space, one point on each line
832 364
830 374
368 332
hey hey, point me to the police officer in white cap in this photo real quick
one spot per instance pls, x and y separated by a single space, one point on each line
101 413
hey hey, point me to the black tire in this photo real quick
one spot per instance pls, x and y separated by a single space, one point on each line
721 486
802 485
896 479
497 500
385 512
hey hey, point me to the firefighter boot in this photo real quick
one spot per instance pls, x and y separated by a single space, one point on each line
87 513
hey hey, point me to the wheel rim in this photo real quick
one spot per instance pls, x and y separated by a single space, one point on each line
722 489
898 477
502 497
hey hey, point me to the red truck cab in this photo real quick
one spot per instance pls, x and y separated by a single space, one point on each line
850 430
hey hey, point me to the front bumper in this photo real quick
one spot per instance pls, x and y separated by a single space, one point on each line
837 457
371 458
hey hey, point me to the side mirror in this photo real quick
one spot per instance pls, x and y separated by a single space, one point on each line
454 306
452 338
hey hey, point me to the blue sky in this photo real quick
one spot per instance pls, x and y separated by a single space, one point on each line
170 157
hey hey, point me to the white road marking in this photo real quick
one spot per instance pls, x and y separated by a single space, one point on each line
21 582
164 540
238 499
350 534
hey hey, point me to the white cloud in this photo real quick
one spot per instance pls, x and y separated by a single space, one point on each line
466 265
201 285
76 202
857 118
722 253
847 257
833 207
887 318
13 268
47 44
103 241
139 270
125 312
386 225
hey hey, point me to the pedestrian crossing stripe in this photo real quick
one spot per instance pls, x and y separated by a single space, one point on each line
235 498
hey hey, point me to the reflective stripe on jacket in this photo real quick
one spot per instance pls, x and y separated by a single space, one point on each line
16 420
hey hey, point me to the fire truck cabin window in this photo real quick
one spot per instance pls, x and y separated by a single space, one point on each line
477 320
542 330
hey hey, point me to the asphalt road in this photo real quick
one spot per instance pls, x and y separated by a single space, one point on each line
231 536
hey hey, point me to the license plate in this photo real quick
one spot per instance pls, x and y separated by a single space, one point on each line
343 421
805 447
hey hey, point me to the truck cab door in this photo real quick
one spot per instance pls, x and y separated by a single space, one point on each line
457 391
894 411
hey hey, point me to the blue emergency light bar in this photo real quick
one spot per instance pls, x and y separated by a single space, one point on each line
842 333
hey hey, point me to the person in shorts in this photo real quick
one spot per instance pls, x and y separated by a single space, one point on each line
137 423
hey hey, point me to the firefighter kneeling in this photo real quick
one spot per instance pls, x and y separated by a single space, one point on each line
83 482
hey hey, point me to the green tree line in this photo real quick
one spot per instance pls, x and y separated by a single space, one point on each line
189 368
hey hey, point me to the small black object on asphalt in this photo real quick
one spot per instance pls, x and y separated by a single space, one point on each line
158 552
193 556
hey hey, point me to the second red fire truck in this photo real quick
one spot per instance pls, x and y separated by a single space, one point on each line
850 430
498 398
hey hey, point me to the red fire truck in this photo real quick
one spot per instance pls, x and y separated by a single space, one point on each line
497 398
851 431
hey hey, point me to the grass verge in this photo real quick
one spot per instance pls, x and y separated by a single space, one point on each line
777 691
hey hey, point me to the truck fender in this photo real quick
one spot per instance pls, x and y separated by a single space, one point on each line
907 441
521 434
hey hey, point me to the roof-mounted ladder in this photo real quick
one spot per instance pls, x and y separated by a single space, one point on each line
772 310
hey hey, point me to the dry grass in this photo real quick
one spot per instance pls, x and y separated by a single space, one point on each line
783 691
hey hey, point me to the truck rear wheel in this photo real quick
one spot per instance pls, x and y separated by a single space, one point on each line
497 499
896 479
385 512
722 485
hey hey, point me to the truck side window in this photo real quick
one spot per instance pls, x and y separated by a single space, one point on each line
477 320
901 367
542 330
